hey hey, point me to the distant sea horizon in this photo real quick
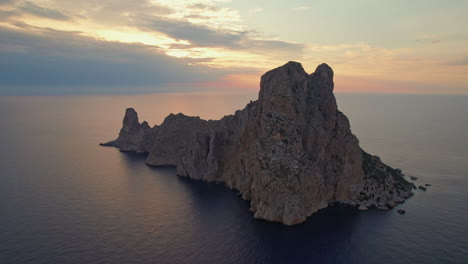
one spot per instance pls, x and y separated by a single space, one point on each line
65 199
231 90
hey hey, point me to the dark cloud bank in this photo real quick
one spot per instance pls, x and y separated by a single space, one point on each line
58 62
34 9
202 36
46 61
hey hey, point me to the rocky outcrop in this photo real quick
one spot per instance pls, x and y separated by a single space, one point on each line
290 153
133 135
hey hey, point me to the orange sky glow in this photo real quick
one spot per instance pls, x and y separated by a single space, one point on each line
230 44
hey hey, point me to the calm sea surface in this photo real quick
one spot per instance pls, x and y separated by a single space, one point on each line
64 199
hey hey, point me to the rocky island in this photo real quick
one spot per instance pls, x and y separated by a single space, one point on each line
290 153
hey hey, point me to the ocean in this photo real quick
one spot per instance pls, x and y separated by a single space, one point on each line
65 199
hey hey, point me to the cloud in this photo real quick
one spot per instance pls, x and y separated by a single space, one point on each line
199 32
30 8
6 2
201 6
198 35
199 17
256 10
4 14
34 9
196 29
202 36
301 8
430 39
459 62
359 84
50 61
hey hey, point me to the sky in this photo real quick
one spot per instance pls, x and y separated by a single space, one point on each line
140 46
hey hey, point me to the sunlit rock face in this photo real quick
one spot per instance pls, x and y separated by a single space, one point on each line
290 153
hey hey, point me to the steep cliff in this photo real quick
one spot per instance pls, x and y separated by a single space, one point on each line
290 153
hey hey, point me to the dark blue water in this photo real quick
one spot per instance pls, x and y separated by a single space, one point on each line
64 199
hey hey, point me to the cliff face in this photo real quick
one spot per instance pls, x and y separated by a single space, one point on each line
290 153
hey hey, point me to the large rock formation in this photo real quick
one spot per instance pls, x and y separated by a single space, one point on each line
290 153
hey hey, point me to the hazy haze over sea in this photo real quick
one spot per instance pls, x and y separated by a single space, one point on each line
64 199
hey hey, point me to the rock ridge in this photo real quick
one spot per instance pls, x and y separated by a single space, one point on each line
290 153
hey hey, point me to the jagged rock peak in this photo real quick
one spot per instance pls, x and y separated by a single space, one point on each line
291 80
324 71
290 153
131 118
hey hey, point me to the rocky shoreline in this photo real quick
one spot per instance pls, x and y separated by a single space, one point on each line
290 153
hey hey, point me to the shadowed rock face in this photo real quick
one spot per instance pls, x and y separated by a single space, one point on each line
132 134
290 153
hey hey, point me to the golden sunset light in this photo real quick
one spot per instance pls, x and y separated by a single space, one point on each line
224 35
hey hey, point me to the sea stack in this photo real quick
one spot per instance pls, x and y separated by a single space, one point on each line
290 153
